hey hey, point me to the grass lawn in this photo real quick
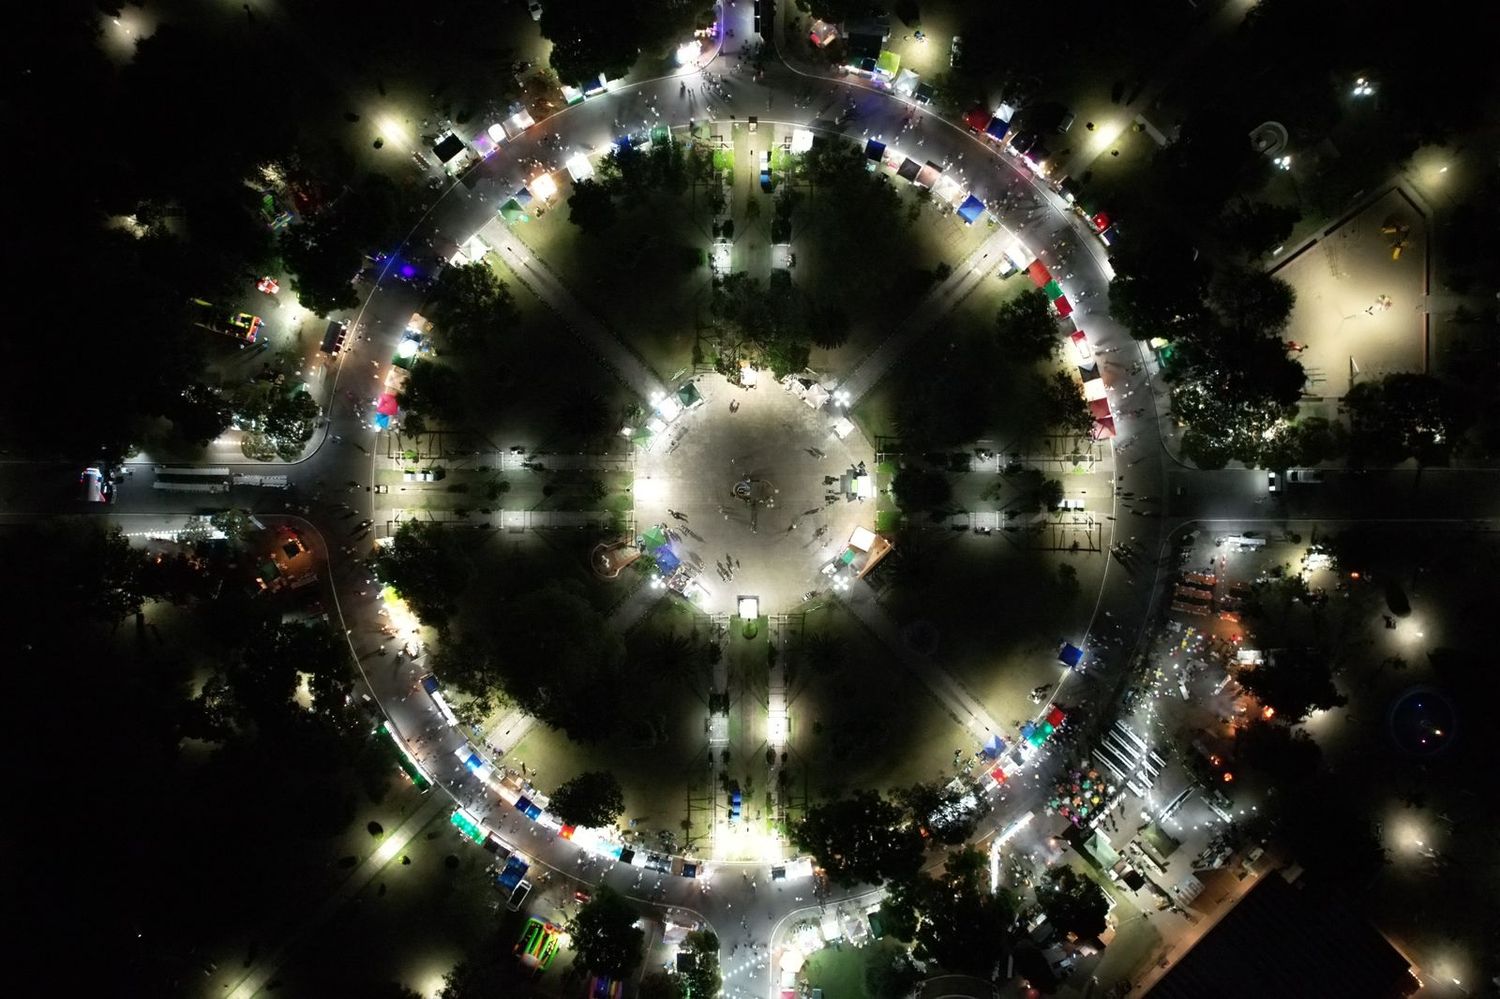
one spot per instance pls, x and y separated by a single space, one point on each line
840 971
997 611
660 756
646 277
858 720
412 924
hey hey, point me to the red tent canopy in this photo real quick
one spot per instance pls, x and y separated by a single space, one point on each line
1039 273
1101 222
1104 428
998 774
1099 408
977 118
388 405
1055 717
1063 306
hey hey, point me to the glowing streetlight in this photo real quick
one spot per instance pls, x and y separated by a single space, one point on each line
1284 162
1363 87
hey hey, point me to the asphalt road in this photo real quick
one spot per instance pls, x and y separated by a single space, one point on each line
742 904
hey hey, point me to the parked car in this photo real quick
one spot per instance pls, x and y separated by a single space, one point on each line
1271 482
1305 476
955 50
535 7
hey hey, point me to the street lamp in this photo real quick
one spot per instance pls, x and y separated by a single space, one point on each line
1284 162
1363 87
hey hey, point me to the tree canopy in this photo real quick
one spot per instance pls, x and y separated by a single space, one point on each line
1073 903
1293 683
953 920
1026 328
1406 416
593 798
429 564
861 839
471 308
919 488
605 937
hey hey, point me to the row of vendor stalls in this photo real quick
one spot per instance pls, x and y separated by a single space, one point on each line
929 175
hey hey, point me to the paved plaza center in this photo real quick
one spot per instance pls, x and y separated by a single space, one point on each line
773 544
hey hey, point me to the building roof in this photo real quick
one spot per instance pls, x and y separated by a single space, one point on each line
1282 939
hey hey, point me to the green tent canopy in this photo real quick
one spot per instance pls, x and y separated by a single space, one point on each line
511 212
654 539
689 396
1052 290
889 63
661 133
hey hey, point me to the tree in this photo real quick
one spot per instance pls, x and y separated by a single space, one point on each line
1255 228
1073 903
1246 298
550 652
702 980
661 985
590 37
1326 828
430 567
1285 755
1026 328
830 326
919 488
1293 683
1159 284
591 207
471 307
939 810
862 839
592 799
953 920
891 977
605 936
199 414
1063 404
289 422
1405 416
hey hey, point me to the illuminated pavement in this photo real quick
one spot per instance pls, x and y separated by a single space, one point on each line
1176 494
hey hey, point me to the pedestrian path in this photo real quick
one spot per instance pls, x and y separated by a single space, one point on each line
391 847
967 711
537 276
937 304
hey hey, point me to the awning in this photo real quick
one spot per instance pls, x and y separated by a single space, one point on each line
653 539
909 169
842 427
1063 306
929 175
1099 408
448 147
1101 222
1069 655
1056 716
579 167
1094 387
971 210
388 405
1104 429
925 93
667 560
977 118
888 64
1039 273
996 129
511 212
874 150
949 190
1053 290
518 123
905 83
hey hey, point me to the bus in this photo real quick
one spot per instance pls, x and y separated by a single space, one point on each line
405 760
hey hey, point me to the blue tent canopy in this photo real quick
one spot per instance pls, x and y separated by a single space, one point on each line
523 803
667 560
971 210
996 129
874 150
382 422
522 197
994 746
1070 655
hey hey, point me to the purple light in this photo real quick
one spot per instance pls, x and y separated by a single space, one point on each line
407 270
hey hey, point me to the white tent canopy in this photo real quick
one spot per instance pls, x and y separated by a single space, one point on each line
579 167
842 427
815 396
